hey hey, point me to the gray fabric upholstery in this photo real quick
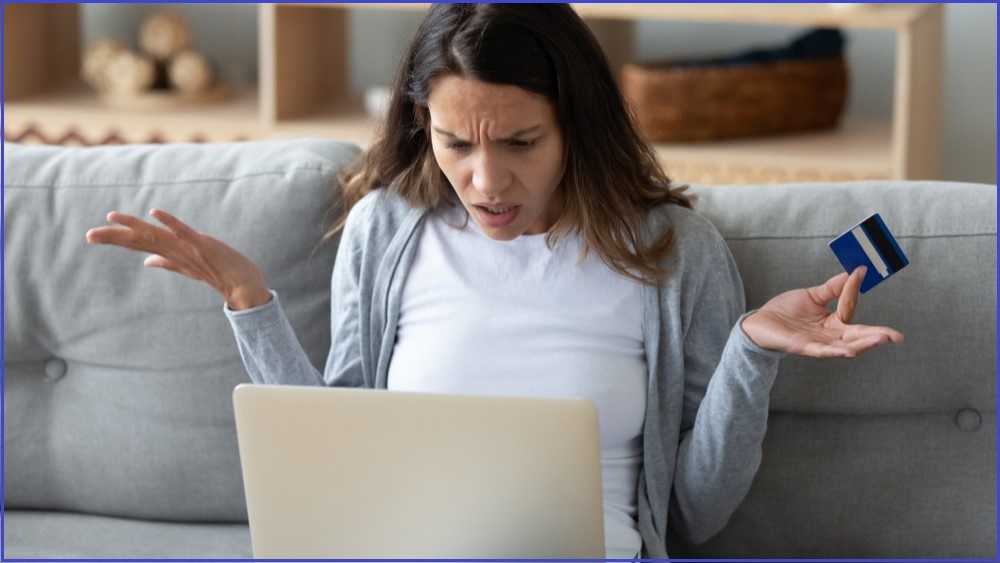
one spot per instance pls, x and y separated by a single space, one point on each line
892 454
66 535
118 432
118 379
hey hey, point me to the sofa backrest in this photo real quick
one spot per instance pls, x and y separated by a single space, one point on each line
891 454
117 378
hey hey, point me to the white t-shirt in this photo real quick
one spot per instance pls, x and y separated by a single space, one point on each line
480 316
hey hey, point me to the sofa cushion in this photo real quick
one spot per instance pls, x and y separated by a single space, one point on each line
892 454
779 234
30 534
118 378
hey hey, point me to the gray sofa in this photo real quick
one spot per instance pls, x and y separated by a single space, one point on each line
118 424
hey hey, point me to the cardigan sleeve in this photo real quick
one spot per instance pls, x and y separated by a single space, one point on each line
727 383
371 260
268 345
719 455
270 350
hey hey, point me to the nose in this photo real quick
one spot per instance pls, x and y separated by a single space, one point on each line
490 175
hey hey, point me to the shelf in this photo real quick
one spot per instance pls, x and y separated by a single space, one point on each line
303 89
77 115
347 122
857 150
873 16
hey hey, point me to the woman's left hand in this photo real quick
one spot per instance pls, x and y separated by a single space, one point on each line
798 321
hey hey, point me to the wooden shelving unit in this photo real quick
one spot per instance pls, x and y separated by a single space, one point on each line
303 89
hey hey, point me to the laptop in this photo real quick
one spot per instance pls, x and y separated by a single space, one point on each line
334 473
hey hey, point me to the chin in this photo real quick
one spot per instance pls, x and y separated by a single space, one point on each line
501 235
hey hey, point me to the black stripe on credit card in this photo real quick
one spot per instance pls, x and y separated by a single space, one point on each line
881 242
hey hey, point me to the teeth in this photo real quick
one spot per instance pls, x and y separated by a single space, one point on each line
499 210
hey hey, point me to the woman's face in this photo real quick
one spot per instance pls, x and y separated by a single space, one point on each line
501 148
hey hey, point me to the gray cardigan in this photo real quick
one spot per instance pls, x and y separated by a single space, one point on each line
707 399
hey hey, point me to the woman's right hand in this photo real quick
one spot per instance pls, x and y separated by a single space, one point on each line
181 249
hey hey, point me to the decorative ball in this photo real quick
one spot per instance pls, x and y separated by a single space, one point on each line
95 61
190 72
129 73
164 34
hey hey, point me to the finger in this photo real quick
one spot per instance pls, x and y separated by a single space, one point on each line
850 347
157 261
844 348
866 343
823 294
857 332
139 229
125 219
105 235
831 350
848 301
108 234
119 236
178 227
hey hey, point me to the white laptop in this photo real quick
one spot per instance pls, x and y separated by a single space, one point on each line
374 474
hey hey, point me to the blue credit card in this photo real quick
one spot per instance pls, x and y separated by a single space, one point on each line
869 243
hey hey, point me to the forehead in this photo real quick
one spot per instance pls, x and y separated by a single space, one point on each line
458 101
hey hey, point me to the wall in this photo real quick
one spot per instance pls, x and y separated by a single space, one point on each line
227 32
970 93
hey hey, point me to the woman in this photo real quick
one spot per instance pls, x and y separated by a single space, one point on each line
510 233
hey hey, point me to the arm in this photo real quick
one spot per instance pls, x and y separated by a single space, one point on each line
727 384
726 405
270 348
350 362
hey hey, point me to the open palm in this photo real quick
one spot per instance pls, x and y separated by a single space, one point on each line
179 248
798 321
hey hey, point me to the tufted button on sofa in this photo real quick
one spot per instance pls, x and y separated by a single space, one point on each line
969 420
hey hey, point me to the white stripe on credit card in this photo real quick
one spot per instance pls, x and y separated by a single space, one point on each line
873 255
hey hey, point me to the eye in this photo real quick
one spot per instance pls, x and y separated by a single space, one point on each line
521 144
457 145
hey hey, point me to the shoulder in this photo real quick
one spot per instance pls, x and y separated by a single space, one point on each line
703 270
377 207
379 215
694 235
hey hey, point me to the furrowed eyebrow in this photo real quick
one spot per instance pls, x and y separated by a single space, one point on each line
515 135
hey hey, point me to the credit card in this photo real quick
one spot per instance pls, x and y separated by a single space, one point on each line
869 243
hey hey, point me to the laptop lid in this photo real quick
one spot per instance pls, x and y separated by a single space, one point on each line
374 474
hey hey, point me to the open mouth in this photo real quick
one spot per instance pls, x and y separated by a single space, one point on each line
497 216
499 210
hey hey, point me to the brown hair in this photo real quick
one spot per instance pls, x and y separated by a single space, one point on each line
612 179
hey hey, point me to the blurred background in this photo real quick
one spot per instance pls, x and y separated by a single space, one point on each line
228 33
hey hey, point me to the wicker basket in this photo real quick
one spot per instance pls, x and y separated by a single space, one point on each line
707 103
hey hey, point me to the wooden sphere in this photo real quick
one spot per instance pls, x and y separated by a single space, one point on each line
164 34
190 72
96 57
129 73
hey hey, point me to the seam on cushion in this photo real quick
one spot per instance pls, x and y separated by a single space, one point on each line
113 183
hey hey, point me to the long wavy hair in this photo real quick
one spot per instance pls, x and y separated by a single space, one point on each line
613 177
